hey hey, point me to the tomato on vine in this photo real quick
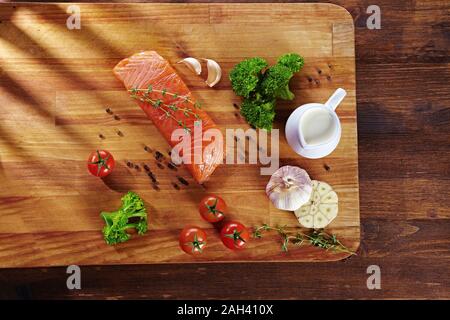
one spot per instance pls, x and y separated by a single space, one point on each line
192 240
234 235
100 163
212 208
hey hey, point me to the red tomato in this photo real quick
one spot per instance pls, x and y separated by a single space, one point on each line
212 208
234 235
193 240
100 163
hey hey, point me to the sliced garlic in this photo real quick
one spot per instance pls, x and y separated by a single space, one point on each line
193 64
214 72
289 188
321 208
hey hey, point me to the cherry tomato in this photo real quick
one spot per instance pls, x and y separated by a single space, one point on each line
234 235
212 208
100 163
193 240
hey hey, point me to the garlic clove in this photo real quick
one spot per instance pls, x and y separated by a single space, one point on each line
193 64
214 72
289 188
321 209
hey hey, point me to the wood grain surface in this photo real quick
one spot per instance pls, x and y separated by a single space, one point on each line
403 100
61 81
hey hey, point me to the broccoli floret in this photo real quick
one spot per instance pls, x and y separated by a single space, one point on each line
261 86
131 215
276 79
292 61
246 75
259 113
276 82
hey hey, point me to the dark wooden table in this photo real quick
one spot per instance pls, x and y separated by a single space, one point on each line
403 91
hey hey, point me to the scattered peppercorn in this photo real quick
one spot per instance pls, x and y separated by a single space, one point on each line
152 177
182 180
171 166
175 186
147 149
158 155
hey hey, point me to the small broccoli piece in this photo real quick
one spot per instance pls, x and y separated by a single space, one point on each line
131 215
246 75
292 61
276 82
114 230
259 113
141 227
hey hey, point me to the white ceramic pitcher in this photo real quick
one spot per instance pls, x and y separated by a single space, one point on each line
313 130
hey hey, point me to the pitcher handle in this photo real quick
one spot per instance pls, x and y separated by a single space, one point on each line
336 98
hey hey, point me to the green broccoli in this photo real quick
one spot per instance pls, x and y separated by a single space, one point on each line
276 82
131 215
246 75
292 61
259 113
261 86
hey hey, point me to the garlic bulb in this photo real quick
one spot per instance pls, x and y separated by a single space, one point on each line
214 72
289 188
321 209
193 65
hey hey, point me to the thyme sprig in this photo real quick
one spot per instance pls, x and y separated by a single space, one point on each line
168 109
317 238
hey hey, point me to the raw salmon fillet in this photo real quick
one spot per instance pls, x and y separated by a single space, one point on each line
148 69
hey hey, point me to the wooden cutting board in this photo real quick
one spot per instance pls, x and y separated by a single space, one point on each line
56 83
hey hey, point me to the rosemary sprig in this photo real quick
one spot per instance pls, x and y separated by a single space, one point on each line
317 238
168 109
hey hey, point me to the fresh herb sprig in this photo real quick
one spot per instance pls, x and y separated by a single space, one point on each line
168 109
317 238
